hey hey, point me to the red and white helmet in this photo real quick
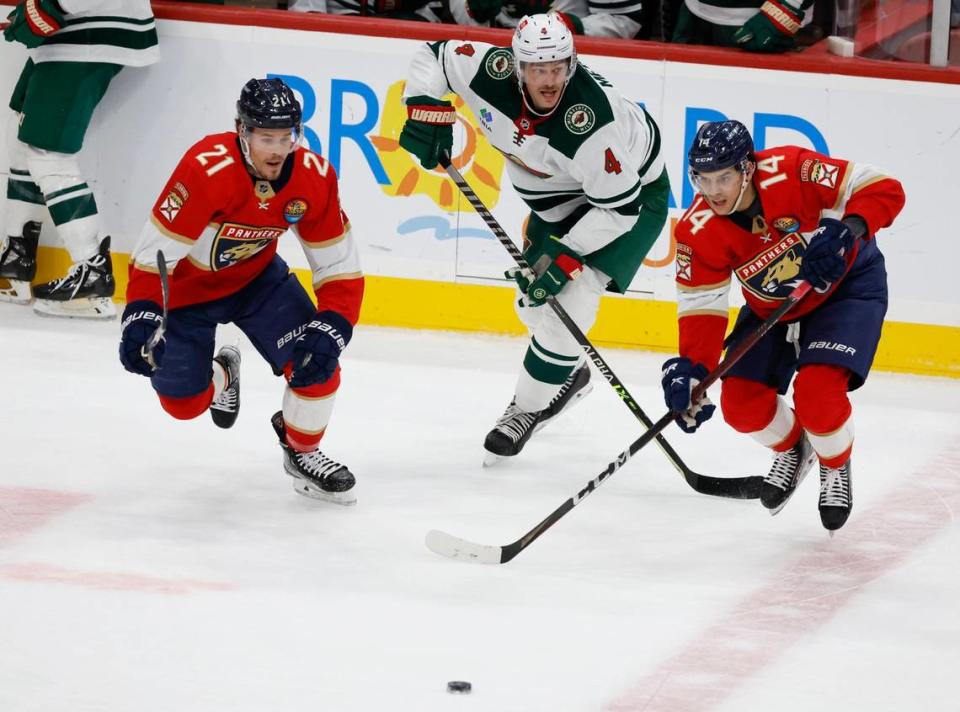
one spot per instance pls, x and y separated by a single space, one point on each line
543 38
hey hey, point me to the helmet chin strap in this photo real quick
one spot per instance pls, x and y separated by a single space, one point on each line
245 150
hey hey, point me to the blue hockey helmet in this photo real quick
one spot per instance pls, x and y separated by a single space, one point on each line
268 104
719 145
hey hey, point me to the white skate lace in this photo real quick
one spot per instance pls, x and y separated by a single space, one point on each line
784 468
227 400
316 464
514 423
834 488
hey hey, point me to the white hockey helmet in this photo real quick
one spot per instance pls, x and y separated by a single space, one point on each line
543 38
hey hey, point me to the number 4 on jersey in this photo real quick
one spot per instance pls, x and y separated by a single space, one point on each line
610 162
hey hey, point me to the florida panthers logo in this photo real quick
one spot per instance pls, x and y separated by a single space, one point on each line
235 243
773 273
781 272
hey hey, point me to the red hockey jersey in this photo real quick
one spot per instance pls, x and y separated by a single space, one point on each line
797 187
218 228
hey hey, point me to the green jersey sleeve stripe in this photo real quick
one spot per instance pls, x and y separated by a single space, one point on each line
542 205
126 39
108 18
608 202
544 193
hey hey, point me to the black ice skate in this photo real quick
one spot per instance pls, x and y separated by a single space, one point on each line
225 409
788 470
836 496
314 474
86 291
18 265
515 427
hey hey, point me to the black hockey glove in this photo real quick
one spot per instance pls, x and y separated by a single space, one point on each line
824 260
680 376
140 320
317 351
32 21
428 132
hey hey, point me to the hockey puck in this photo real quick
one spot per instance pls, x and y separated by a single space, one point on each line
459 687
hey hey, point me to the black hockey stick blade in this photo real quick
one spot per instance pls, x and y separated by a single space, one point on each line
463 550
730 487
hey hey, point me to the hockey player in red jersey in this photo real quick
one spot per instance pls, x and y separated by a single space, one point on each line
217 222
772 219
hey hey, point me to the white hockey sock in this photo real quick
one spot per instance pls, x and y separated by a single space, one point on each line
777 430
829 445
69 200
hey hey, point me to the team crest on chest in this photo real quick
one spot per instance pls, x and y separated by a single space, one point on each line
499 64
773 273
235 243
294 210
579 118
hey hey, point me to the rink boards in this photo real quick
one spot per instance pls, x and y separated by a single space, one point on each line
431 261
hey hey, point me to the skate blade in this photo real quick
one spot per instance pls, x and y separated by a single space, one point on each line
86 308
302 487
15 291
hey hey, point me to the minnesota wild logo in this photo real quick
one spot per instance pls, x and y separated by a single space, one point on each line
579 118
499 64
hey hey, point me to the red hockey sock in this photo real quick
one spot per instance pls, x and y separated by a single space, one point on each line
189 407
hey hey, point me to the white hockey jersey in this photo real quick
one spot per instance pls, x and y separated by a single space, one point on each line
592 154
111 31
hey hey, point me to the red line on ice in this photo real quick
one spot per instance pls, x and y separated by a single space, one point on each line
808 592
23 510
106 580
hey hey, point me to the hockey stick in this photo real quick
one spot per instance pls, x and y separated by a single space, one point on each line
157 336
455 548
732 487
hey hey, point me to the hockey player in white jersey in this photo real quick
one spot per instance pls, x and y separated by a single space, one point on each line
585 160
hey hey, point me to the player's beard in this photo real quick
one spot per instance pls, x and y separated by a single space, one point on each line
271 166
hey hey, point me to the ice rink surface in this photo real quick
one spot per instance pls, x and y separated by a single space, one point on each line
154 565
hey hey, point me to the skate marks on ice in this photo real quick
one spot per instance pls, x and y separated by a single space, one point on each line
25 511
804 596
